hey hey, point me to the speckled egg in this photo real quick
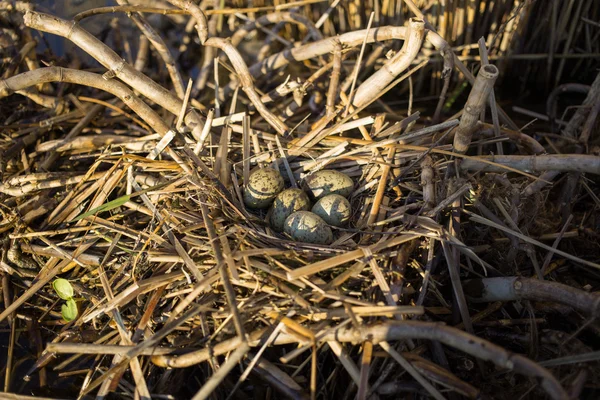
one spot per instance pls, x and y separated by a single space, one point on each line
328 181
262 188
333 209
304 226
286 203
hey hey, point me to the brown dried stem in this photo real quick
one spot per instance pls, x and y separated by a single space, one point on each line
476 102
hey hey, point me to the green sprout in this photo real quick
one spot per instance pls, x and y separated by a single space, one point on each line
64 290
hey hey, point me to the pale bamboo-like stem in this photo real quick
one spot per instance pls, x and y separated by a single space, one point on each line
449 336
476 102
111 60
372 87
552 162
246 80
161 48
59 74
520 288
485 61
350 39
334 80
197 13
208 57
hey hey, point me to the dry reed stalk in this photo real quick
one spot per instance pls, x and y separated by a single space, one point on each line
514 289
476 102
332 92
116 66
552 162
199 264
372 87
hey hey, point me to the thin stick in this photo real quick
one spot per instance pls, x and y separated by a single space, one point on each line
357 66
246 150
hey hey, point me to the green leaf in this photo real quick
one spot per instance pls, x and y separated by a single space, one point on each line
69 310
63 288
118 202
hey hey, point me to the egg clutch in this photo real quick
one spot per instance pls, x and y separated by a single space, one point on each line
289 208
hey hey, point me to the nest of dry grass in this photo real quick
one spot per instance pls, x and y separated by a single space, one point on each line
469 267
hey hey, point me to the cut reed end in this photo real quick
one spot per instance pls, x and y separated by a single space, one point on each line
486 77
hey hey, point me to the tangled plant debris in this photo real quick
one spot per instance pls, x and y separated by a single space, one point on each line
463 259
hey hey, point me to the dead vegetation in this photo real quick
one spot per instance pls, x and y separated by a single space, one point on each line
470 265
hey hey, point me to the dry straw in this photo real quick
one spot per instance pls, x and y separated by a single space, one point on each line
129 184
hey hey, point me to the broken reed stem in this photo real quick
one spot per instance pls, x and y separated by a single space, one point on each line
476 102
485 61
518 288
552 162
348 40
372 87
334 79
